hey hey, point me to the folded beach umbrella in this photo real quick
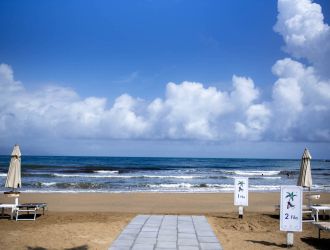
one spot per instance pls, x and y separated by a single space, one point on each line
14 173
305 175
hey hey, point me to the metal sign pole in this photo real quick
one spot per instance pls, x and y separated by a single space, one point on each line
289 239
240 212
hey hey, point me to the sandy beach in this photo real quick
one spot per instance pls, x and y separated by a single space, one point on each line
93 221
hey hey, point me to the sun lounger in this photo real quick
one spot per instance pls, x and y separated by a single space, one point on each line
325 226
28 208
318 208
12 207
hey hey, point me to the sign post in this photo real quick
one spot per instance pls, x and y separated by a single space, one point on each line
291 213
241 194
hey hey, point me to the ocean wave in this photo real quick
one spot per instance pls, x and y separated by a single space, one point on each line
88 175
253 172
189 185
289 172
47 184
178 185
65 185
171 176
264 187
128 176
106 171
3 175
266 177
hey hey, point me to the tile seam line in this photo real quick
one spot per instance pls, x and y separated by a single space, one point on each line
136 236
199 245
163 216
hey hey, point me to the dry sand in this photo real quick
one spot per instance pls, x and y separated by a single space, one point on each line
93 221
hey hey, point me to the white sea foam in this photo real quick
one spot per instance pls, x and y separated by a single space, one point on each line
254 172
271 177
264 187
178 185
3 175
48 184
91 176
128 176
171 176
106 171
188 185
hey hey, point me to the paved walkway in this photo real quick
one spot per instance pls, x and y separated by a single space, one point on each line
166 232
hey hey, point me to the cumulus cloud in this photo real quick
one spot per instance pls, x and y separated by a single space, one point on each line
301 102
189 111
301 23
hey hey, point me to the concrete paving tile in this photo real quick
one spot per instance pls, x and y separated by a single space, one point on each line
187 236
187 242
186 230
168 227
188 248
167 232
169 238
148 234
184 218
143 247
134 226
118 248
148 241
208 239
131 231
210 246
205 233
127 242
166 244
126 237
149 229
140 219
162 248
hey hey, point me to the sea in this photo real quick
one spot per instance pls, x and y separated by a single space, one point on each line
51 174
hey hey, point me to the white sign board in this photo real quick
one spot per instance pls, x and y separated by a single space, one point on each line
291 204
241 194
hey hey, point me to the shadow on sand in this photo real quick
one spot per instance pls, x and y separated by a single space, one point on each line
226 217
267 243
317 243
83 247
273 216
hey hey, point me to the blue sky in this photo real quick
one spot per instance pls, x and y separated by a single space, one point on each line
108 64
132 45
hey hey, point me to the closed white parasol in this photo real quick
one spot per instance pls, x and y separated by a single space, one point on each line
14 173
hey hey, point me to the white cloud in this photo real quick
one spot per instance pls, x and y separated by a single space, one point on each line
301 24
192 110
301 103
257 121
188 111
244 91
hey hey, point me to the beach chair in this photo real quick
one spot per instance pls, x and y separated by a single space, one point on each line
12 207
29 208
325 226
